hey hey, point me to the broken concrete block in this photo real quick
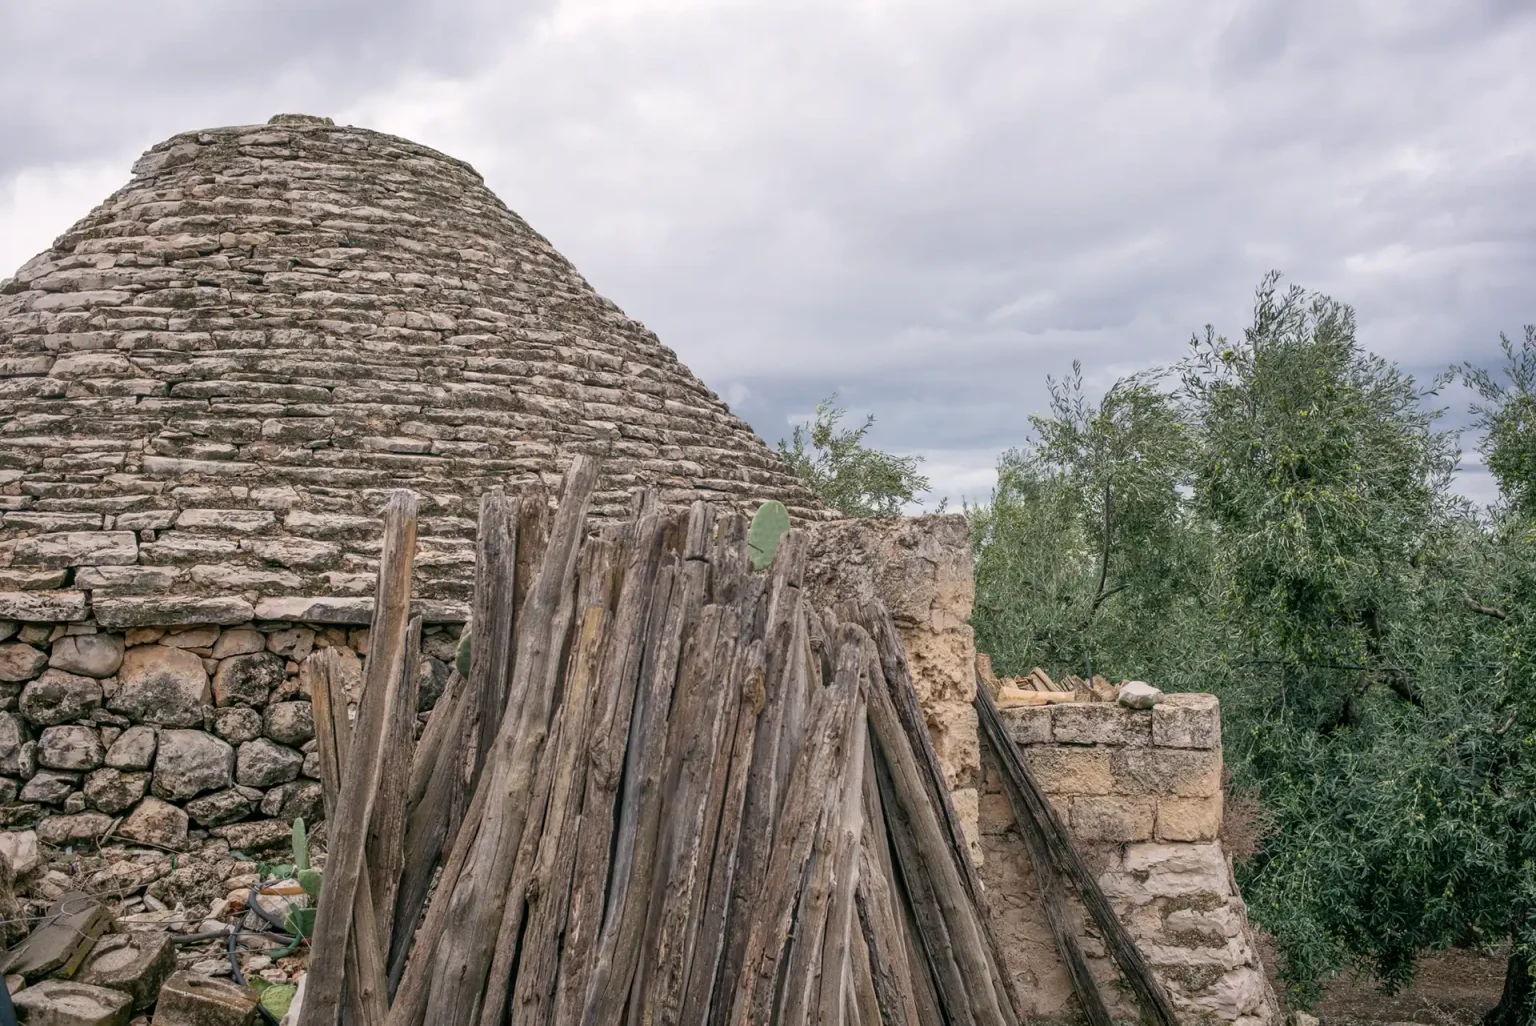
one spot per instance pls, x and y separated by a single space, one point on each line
135 963
187 999
66 1003
61 940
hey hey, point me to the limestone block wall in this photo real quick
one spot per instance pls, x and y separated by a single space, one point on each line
163 736
1141 792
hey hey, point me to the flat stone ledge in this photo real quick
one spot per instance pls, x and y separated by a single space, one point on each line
43 606
169 611
319 609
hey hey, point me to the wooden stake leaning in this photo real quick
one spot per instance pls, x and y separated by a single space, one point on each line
345 902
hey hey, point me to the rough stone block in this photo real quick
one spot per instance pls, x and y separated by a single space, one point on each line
1070 771
13 736
20 662
201 637
289 723
256 835
247 679
126 580
1028 724
238 642
70 747
190 762
1113 819
187 999
136 963
1187 721
1163 870
1189 819
90 655
81 828
161 685
49 787
1100 723
294 643
113 791
134 749
59 697
19 850
288 802
227 806
265 763
156 822
66 1003
77 548
32 580
1180 772
237 723
43 606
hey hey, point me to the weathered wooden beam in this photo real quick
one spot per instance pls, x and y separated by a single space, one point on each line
464 955
385 853
614 706
345 867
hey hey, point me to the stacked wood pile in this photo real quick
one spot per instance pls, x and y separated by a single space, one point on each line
1037 688
670 791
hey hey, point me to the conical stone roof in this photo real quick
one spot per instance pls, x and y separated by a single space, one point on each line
209 384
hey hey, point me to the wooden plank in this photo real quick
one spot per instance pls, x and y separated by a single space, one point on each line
549 892
492 613
433 736
1023 789
385 852
763 796
931 844
333 731
931 933
360 779
683 878
426 838
837 964
634 861
891 667
463 956
615 703
409 1005
734 769
831 722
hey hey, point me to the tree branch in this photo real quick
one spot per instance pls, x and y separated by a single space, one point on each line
1477 607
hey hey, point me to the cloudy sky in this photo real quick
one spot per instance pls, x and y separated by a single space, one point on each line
925 205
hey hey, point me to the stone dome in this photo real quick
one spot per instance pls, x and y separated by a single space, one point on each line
209 384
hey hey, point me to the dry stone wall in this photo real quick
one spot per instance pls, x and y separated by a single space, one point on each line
210 383
166 736
1141 792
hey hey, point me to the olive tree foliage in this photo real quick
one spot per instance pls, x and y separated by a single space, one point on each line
1278 528
1321 470
1085 555
846 474
1507 413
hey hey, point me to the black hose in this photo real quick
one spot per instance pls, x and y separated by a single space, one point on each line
255 905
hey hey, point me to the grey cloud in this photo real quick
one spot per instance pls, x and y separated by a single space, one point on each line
926 206
90 78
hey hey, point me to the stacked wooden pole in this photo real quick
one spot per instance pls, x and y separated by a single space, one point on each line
670 792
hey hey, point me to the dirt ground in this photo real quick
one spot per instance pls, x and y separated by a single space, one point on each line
1452 988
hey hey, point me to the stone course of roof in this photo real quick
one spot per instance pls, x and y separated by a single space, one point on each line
210 383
